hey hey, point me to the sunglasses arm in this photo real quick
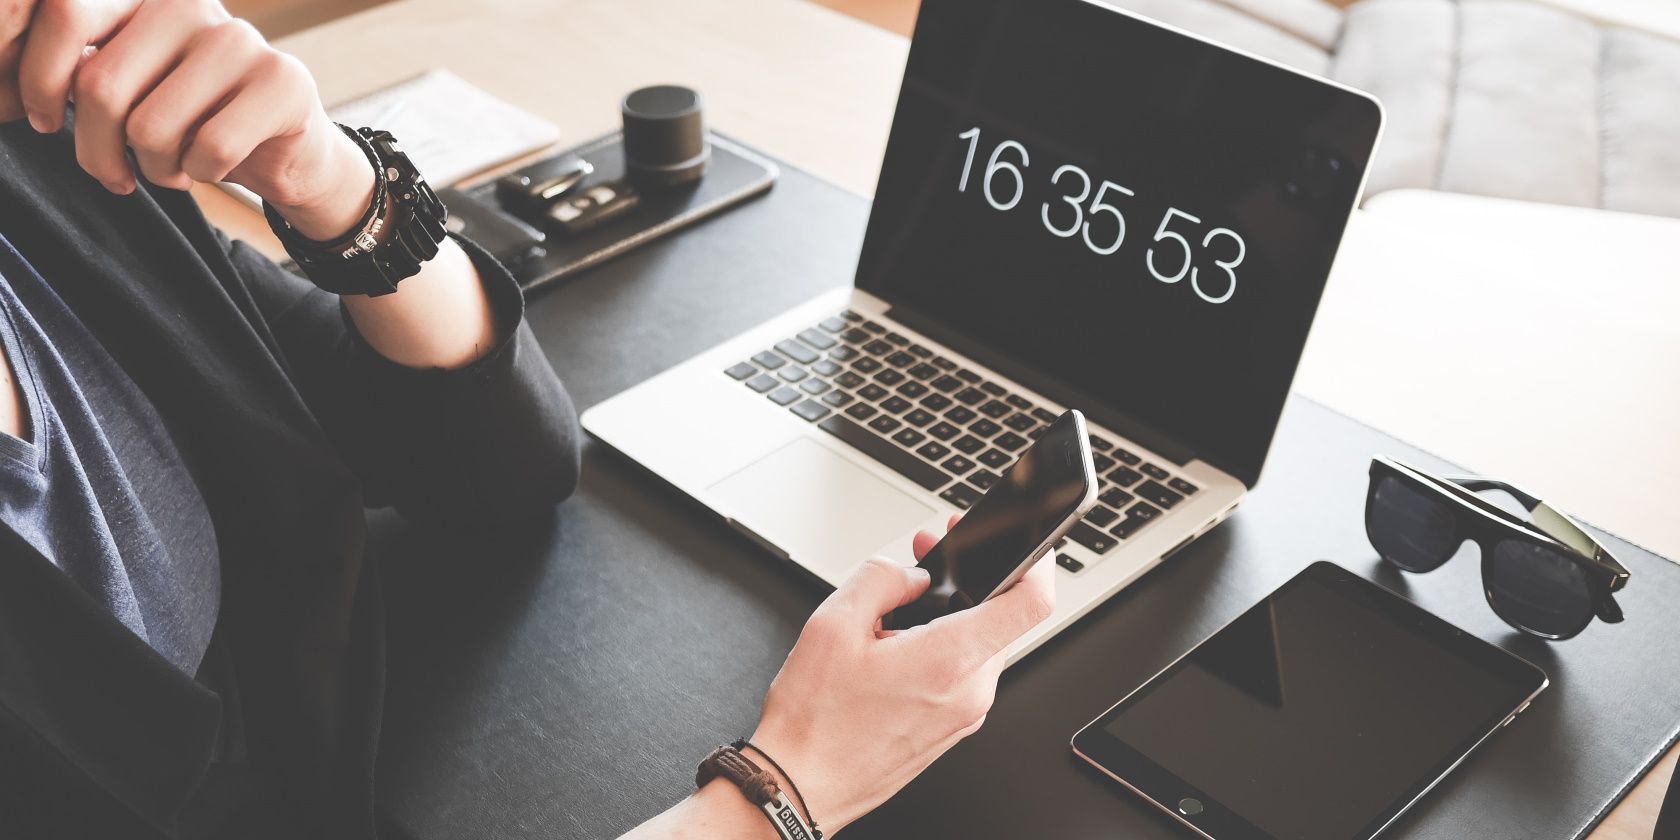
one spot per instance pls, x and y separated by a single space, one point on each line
1559 526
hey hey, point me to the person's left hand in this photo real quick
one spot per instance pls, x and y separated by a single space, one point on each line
197 95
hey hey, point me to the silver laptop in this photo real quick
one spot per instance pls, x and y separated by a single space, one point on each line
1078 208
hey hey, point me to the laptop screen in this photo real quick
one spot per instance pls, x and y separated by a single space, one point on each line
1118 211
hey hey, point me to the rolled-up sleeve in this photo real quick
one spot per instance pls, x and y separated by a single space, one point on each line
493 440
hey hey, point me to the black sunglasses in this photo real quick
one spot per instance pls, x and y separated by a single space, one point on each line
1544 576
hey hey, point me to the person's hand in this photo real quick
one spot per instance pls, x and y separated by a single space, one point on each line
856 712
196 94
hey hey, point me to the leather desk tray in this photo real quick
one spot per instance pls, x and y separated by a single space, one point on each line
562 679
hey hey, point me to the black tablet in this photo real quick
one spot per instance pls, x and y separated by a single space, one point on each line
1322 713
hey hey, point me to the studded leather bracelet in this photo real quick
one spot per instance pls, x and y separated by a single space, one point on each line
760 788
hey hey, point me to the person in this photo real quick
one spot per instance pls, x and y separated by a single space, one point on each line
190 622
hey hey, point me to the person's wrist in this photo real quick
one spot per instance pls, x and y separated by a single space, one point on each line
821 804
729 807
335 192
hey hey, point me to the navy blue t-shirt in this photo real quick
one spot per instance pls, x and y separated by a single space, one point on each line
96 484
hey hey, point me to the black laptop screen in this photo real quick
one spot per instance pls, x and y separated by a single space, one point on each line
1132 213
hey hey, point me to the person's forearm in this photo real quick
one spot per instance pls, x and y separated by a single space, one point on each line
439 318
716 812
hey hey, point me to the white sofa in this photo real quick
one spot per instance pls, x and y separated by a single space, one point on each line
1508 98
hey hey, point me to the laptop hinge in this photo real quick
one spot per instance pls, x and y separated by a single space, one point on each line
1105 415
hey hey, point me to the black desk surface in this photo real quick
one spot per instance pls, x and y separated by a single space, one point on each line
561 681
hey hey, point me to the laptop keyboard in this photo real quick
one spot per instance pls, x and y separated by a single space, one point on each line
942 425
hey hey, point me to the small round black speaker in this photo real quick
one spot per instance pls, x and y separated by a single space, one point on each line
665 141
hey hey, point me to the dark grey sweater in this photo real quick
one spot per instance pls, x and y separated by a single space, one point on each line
290 426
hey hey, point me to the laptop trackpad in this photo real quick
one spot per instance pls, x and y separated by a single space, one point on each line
824 511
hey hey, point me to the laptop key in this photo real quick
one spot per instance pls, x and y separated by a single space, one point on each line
968 445
793 373
888 376
762 382
848 379
971 396
912 389
850 315
877 347
947 383
928 476
985 428
919 418
995 459
1142 510
1157 493
855 336
815 386
861 411
741 371
1183 486
908 438
967 375
943 363
811 410
983 479
1091 538
960 415
1044 415
838 399
1019 402
844 354
1114 497
784 395
921 351
769 360
1099 444
924 371
895 405
961 495
867 364
943 431
936 402
933 451
834 324
1125 476
1069 563
796 351
996 409
872 392
901 359
1102 462
1125 456
884 424
958 465
1018 422
1009 441
1154 472
874 327
1101 517
817 339
825 368
898 339
993 388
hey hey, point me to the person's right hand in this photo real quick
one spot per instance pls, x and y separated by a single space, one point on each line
856 713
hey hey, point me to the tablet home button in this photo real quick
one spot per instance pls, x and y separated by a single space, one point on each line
1189 806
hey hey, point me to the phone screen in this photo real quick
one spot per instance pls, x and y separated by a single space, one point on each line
1038 494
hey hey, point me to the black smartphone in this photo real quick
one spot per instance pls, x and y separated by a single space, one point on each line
1031 507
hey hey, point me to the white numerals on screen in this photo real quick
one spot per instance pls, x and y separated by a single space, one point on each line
1162 234
1098 206
1005 175
995 167
1229 266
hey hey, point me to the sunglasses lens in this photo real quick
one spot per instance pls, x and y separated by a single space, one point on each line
1409 528
1539 588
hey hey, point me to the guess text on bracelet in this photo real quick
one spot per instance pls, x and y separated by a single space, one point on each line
760 789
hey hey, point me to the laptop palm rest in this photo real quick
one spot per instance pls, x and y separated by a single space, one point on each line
817 507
